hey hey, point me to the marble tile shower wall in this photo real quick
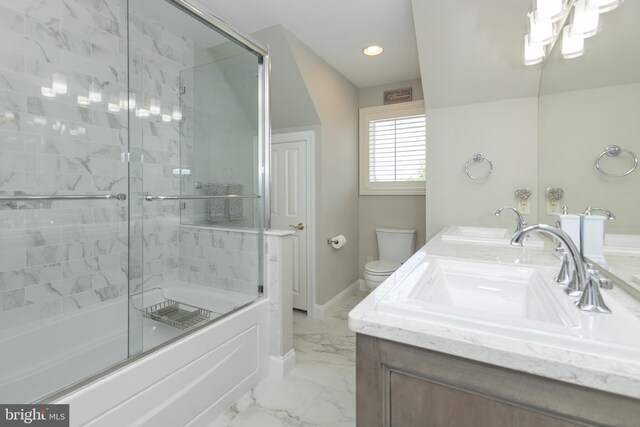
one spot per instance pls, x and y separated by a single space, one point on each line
64 129
219 258
158 57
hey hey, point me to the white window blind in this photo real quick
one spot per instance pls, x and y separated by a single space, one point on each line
397 149
393 149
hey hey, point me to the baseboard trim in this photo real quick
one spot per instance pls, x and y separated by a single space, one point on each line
280 366
321 311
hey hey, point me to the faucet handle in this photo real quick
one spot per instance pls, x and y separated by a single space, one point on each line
602 282
564 275
591 299
605 283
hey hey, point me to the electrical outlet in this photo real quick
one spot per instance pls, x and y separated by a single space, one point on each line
369 258
524 207
553 207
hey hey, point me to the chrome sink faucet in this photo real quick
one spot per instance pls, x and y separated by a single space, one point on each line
582 281
521 222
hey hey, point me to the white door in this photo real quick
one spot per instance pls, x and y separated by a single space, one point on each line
289 203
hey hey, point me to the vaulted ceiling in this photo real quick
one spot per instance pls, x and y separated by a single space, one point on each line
338 30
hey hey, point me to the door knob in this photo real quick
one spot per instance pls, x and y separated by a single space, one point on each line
300 226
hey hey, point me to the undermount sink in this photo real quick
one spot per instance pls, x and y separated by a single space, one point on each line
519 301
497 292
486 236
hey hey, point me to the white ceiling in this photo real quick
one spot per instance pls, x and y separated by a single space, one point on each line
337 30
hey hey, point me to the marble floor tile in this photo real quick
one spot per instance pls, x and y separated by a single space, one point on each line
319 391
292 396
328 374
332 408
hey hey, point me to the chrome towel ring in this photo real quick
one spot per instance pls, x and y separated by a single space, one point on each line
614 151
478 158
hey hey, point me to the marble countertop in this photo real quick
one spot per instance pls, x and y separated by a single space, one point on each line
615 375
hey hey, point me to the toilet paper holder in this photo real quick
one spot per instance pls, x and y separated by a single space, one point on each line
332 241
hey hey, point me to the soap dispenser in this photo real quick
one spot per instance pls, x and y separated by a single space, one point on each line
592 234
570 224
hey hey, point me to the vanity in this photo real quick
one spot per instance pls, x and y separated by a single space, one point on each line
473 332
481 335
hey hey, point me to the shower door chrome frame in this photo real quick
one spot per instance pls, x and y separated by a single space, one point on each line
264 113
264 142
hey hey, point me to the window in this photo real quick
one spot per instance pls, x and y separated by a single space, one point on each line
393 149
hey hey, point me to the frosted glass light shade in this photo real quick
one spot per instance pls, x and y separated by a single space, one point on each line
533 52
586 19
572 43
551 9
540 29
604 5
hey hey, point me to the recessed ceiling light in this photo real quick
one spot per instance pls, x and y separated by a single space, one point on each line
372 50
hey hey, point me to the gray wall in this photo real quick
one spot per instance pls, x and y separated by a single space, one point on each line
307 93
291 104
575 127
479 98
387 211
506 132
336 101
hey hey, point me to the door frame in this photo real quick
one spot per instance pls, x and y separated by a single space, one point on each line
309 137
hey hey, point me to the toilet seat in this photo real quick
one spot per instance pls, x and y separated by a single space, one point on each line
381 267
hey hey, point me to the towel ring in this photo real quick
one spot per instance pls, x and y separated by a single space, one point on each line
478 158
614 151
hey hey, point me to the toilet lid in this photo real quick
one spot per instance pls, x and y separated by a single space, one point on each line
381 267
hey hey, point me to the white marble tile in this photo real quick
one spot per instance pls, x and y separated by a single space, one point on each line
52 34
91 33
50 254
328 374
12 299
29 276
254 417
12 180
13 101
291 395
10 140
332 408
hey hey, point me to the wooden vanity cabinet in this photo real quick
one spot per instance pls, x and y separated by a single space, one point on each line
403 386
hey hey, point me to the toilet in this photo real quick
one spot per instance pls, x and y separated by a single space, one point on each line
395 246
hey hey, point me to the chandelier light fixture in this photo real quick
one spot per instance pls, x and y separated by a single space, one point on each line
575 19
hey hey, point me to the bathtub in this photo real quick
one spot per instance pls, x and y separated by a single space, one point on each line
186 381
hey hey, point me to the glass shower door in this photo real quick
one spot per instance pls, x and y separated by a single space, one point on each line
63 195
130 182
196 123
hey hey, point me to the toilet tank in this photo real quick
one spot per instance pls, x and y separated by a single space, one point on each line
396 244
